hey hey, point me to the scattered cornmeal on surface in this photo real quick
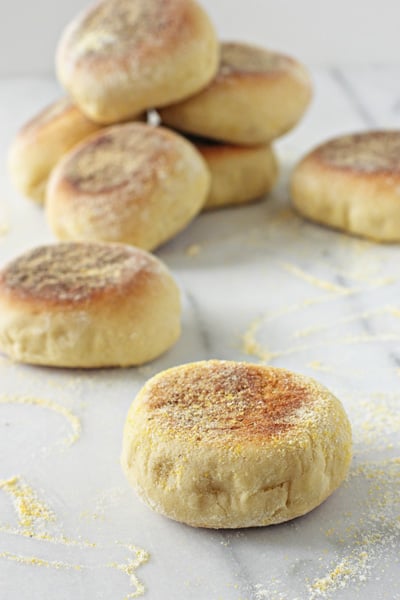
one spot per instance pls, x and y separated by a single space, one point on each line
221 444
352 183
131 183
87 305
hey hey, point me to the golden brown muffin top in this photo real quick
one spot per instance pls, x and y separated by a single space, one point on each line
127 29
215 401
242 59
74 272
369 152
132 156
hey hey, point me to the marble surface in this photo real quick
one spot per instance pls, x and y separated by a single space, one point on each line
258 284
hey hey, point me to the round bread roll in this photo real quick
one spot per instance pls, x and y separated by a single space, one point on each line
41 143
239 174
256 96
352 183
124 56
129 183
221 444
87 305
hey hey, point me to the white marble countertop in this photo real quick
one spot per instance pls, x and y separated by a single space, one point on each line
258 284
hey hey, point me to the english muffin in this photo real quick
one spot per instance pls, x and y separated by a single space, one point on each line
221 444
130 183
87 305
352 183
124 56
239 174
41 143
257 96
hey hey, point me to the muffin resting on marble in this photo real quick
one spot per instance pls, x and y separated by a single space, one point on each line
87 305
221 444
352 183
256 96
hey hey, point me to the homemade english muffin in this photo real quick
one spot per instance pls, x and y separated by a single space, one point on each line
41 143
352 183
221 444
239 174
257 96
124 56
131 183
87 305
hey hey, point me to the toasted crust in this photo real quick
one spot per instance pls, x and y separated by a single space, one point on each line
87 305
352 183
224 403
224 445
256 96
239 174
70 274
124 56
130 183
41 143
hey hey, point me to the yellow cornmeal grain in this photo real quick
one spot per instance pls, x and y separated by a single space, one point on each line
39 562
193 250
372 152
129 568
384 310
250 345
4 228
60 540
315 281
375 528
31 511
141 557
355 565
68 272
72 419
240 58
318 365
253 348
99 504
34 514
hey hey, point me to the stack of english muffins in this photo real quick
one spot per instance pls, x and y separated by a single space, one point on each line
104 173
213 444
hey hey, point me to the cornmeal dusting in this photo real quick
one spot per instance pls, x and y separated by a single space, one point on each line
372 152
213 400
31 511
72 419
34 561
243 58
137 25
129 568
34 519
72 271
131 157
141 557
315 281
